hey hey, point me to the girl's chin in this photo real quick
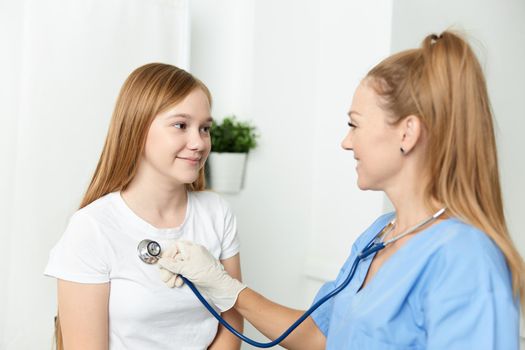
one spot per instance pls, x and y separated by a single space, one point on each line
183 179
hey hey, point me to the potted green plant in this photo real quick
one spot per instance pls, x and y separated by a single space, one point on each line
231 140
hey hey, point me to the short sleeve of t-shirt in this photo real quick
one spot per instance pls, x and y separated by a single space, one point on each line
230 240
81 254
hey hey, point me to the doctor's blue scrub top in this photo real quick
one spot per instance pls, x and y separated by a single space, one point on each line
446 288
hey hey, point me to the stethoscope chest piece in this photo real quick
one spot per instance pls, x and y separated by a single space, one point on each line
149 251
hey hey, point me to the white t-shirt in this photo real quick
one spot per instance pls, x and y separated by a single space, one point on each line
100 246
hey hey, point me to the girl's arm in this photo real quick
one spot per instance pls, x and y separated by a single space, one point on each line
224 340
83 313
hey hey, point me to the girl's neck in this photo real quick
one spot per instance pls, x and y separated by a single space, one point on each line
163 206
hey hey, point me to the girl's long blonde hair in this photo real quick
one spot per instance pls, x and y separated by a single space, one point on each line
443 84
148 91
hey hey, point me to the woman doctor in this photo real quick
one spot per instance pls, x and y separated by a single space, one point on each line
421 130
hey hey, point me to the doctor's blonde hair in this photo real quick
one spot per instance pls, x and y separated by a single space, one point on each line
149 90
443 84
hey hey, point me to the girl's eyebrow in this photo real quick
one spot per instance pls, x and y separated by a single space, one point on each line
187 116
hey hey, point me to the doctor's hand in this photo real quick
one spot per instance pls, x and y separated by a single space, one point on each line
194 262
171 279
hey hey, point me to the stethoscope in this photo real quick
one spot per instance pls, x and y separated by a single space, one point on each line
149 251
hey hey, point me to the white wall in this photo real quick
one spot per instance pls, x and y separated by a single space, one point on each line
340 211
62 64
10 33
291 67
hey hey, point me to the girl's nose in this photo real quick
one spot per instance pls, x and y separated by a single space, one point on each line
195 141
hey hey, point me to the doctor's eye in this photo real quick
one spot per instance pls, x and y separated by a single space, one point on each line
350 124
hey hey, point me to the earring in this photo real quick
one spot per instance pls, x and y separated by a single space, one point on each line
402 150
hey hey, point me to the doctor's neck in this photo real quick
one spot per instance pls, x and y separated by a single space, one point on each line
411 205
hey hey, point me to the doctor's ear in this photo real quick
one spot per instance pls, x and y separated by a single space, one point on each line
410 128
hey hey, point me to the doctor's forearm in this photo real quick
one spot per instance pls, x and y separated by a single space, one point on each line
224 340
273 319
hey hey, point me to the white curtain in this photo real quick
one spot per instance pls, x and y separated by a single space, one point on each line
62 63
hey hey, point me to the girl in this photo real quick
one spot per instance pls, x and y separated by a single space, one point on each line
148 184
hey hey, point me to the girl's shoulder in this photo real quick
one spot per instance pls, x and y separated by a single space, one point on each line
205 195
208 200
103 209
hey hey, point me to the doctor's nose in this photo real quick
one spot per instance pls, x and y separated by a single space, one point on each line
346 144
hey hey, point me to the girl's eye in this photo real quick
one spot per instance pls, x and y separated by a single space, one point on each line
206 129
350 124
180 125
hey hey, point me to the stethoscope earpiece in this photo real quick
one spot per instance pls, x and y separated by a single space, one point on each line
149 251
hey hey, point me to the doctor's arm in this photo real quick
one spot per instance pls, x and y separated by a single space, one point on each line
224 340
83 313
195 263
273 319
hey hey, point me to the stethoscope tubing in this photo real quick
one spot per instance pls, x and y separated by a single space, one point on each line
369 249
372 247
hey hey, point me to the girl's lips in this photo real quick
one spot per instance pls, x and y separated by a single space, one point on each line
192 161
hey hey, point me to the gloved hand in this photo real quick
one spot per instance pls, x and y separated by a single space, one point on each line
195 262
171 279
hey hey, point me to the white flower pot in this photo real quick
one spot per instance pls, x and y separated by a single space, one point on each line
226 171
